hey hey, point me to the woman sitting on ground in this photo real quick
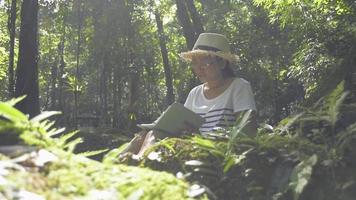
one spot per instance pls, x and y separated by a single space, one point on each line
221 97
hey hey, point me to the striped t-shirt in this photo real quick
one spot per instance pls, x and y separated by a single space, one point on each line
220 111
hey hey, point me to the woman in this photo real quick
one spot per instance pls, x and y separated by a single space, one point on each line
220 98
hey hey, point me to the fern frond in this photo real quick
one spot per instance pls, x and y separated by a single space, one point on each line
93 153
14 101
45 115
64 138
46 124
334 109
112 155
70 146
55 131
12 114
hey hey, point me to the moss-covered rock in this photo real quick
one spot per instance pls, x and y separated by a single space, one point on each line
73 176
51 171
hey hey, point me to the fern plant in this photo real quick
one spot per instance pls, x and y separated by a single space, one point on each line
74 176
39 130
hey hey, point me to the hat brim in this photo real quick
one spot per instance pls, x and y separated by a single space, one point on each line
187 56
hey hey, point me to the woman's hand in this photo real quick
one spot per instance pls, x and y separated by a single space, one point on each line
189 128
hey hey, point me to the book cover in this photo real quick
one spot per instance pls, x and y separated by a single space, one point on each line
174 119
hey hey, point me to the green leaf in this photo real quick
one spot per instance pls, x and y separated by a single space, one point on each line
113 154
203 142
290 121
46 125
14 101
335 108
301 175
244 118
229 163
166 144
72 144
235 160
11 113
63 139
241 122
55 131
216 153
93 153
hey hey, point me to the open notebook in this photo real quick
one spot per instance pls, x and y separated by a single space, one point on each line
173 119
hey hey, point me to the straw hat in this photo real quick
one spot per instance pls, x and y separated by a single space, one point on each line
211 44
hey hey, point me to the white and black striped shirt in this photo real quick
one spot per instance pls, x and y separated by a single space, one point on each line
220 111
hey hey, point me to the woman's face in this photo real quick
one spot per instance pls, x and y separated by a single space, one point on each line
207 68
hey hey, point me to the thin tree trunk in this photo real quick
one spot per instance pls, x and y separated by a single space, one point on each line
107 78
61 67
27 69
166 65
12 33
134 78
103 90
186 23
133 97
119 95
198 26
191 28
61 104
98 55
54 77
76 92
115 96
46 98
350 77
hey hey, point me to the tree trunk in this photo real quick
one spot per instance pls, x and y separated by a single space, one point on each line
134 78
133 97
54 77
76 92
12 33
103 90
198 26
188 30
350 76
115 88
61 67
27 69
98 60
164 52
61 104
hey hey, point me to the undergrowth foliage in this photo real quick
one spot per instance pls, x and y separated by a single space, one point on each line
298 159
69 176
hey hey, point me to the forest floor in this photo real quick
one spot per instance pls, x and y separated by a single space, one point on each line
100 138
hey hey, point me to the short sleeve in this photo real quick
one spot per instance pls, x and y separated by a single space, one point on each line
189 101
243 98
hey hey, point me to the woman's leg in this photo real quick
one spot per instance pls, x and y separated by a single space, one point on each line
141 142
150 139
136 143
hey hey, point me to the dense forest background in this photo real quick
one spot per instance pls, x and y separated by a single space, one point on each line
110 64
114 63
